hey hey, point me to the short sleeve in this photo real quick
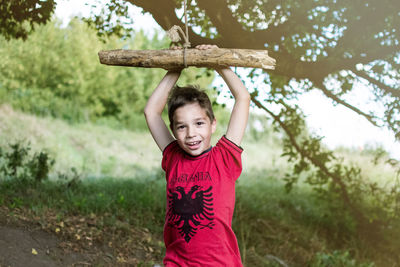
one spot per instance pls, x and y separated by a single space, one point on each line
168 153
231 156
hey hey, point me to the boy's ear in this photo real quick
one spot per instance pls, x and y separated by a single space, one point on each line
213 125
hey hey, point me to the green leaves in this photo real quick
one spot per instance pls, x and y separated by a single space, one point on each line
18 18
56 72
16 162
113 20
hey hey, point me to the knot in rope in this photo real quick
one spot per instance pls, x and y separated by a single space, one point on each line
173 34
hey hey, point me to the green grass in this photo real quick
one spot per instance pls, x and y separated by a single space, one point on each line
101 151
270 221
93 150
120 180
138 200
267 221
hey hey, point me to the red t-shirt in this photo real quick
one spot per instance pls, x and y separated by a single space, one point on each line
200 204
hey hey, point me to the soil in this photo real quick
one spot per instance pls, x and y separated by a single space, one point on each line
34 247
26 242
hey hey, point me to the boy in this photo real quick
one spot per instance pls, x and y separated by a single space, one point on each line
200 178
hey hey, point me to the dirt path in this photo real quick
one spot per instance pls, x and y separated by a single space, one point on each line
26 242
25 246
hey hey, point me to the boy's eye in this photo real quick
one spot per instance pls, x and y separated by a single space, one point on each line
179 127
200 122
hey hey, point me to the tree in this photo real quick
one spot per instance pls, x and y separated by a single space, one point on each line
56 72
316 44
330 45
18 18
314 41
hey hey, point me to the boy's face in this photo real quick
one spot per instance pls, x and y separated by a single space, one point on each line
193 128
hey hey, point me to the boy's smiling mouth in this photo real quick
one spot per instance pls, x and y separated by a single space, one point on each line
193 145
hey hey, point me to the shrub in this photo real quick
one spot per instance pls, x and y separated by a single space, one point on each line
16 162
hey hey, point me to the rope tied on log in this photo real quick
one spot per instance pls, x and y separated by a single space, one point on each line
172 59
173 34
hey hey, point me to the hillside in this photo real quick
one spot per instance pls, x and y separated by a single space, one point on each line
98 150
93 149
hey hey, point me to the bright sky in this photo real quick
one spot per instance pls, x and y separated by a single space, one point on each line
340 126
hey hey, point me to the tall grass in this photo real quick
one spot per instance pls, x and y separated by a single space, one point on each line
270 222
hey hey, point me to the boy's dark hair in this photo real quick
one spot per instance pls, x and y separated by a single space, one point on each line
181 96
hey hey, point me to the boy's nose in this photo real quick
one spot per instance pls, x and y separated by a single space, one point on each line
191 132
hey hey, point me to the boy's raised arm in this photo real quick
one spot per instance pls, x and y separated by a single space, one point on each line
155 106
240 112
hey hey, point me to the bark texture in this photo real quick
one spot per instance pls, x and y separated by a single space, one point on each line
172 59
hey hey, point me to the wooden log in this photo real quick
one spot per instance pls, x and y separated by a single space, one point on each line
172 59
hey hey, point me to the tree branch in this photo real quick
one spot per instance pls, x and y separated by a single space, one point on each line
329 94
305 155
233 36
394 92
164 14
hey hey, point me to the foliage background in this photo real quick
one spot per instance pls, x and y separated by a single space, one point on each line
310 207
56 73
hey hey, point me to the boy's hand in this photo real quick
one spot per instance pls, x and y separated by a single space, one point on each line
200 47
205 46
176 47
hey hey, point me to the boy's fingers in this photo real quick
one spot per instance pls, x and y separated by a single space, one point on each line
205 46
200 47
174 47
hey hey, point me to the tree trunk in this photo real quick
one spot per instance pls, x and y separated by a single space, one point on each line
173 59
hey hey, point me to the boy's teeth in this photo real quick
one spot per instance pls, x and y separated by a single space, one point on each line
194 143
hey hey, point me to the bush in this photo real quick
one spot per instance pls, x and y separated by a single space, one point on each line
16 162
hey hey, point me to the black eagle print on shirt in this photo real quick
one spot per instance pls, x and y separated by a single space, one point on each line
187 210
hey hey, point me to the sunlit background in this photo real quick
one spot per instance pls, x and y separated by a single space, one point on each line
338 125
